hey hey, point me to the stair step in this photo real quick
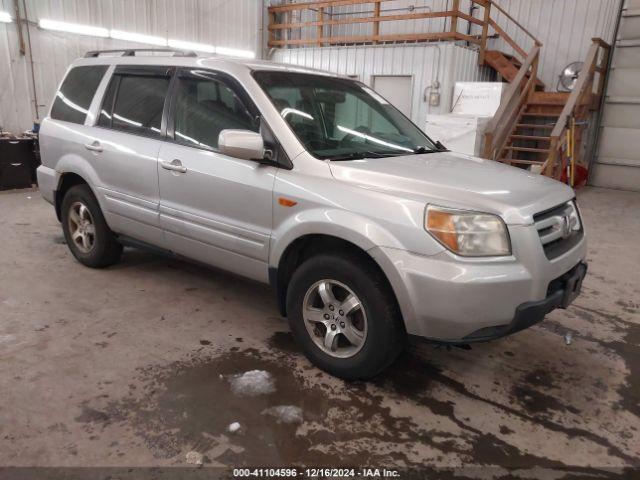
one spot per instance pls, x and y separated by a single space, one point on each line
527 149
549 98
541 114
535 125
531 137
521 162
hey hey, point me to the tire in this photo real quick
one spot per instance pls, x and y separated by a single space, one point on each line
101 248
376 326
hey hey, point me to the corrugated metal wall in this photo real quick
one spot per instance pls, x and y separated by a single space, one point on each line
228 23
425 63
565 27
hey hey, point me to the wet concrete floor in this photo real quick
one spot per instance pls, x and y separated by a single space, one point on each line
133 366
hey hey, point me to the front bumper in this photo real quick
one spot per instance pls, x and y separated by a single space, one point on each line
561 292
455 300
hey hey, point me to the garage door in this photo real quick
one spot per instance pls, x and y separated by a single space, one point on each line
618 160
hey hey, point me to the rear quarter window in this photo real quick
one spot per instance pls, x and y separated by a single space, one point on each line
72 101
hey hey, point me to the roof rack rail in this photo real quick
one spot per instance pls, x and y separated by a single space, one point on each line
131 52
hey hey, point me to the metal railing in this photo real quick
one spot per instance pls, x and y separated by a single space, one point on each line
318 32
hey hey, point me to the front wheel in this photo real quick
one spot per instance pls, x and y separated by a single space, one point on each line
344 315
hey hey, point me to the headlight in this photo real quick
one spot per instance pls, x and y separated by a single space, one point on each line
466 233
574 217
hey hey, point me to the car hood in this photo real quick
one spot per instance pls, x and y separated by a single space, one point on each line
458 181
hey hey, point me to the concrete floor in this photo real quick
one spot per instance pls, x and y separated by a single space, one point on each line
132 366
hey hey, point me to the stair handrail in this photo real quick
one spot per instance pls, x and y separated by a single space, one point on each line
581 96
518 24
320 9
500 32
498 128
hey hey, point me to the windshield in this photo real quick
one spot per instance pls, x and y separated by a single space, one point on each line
340 119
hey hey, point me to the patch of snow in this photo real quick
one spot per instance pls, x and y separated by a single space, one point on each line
194 458
252 383
234 427
285 413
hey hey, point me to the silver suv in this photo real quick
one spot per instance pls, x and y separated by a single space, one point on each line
367 230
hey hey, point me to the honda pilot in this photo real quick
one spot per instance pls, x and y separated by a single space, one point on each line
368 231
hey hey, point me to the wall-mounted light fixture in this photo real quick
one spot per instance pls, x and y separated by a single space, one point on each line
47 24
234 52
198 47
73 28
138 38
5 17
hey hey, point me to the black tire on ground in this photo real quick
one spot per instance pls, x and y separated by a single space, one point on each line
105 250
386 335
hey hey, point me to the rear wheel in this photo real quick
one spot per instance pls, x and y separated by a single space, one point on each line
87 234
343 314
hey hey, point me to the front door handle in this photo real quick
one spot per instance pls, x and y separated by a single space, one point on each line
94 146
174 165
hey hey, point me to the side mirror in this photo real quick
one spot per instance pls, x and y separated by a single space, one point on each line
243 144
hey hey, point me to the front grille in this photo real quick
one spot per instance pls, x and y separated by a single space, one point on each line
557 229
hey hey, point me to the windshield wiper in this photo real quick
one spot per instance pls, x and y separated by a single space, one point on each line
358 156
419 150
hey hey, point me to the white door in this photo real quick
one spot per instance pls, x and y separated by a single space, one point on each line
396 89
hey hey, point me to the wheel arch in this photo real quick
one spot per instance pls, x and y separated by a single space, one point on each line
66 182
307 246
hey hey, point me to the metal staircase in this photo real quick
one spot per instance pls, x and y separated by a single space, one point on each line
617 162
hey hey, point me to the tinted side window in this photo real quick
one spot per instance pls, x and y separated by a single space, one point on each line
138 103
74 98
205 106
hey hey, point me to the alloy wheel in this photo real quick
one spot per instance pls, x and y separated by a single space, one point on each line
81 227
335 318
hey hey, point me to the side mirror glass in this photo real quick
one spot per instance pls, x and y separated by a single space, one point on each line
243 144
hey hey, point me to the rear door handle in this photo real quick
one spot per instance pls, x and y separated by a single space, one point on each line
174 165
94 146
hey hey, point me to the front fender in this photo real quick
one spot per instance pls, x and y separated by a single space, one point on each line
349 226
